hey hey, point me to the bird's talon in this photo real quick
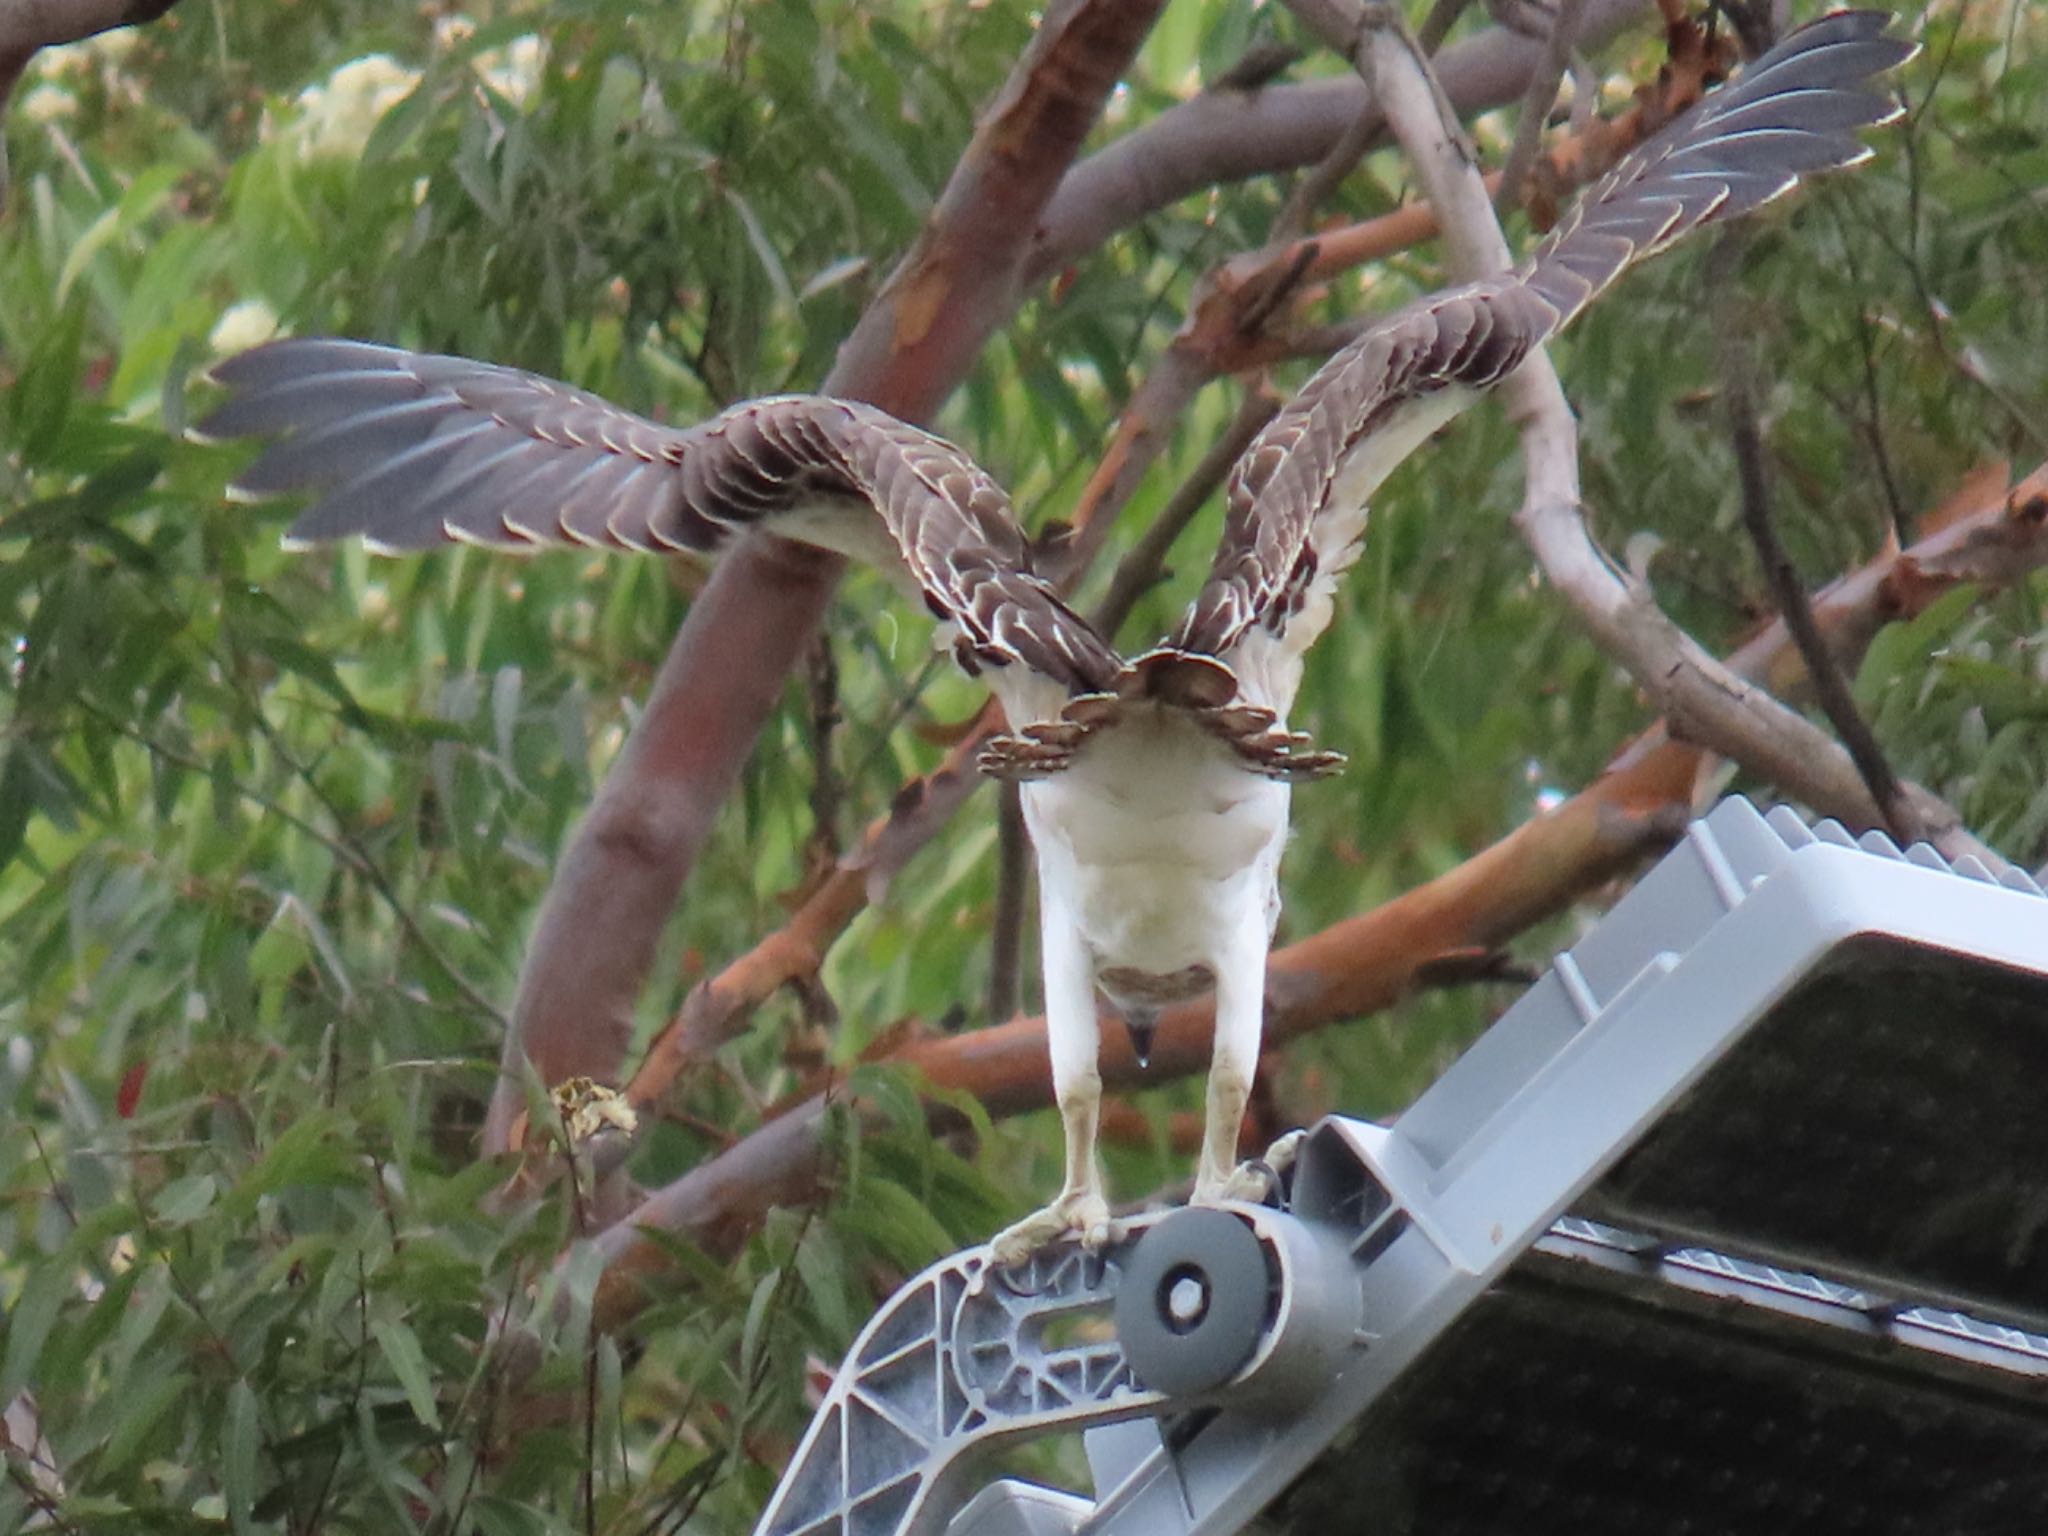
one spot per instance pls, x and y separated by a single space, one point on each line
1249 1183
1083 1217
1281 1155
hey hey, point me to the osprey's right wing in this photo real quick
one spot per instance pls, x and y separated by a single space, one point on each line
1297 500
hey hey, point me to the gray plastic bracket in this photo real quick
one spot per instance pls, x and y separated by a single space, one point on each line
966 1357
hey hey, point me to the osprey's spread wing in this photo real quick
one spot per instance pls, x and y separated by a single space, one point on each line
409 450
1297 498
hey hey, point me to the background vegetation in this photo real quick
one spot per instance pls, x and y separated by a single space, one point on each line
274 828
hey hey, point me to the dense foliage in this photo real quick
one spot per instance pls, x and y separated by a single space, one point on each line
273 827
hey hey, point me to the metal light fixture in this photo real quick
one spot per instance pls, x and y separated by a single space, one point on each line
1737 1220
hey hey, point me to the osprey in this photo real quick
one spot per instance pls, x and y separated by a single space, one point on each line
1155 788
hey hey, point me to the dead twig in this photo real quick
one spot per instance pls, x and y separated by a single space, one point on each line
1537 102
1737 359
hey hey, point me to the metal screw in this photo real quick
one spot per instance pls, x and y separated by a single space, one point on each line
1187 1300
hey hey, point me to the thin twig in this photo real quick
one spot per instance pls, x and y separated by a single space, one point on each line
1326 175
1732 326
1436 26
1873 428
1143 566
1537 102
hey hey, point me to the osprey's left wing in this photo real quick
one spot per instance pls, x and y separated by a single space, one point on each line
1297 499
409 450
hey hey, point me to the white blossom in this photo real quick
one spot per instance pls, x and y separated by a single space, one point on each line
48 104
243 326
336 118
514 70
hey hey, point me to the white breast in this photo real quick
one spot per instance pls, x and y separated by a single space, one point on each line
1159 842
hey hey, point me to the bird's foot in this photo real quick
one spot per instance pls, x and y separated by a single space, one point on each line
1253 1182
1281 1155
1082 1215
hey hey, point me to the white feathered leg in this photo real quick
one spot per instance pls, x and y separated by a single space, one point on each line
1240 1021
1074 1037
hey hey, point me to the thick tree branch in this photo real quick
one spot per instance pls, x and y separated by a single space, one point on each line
1365 963
29 25
618 880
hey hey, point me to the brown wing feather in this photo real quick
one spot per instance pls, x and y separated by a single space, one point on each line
409 450
1794 112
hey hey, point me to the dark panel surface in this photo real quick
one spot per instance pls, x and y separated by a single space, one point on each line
1565 1405
1888 1120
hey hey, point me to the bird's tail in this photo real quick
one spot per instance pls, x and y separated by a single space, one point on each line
1794 112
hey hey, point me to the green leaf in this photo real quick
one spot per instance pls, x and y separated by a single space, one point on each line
899 1222
185 1199
308 1153
140 1408
239 1444
30 1319
401 1349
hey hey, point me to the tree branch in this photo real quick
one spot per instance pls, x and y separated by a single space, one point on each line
29 25
619 879
718 1008
1235 301
1537 102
